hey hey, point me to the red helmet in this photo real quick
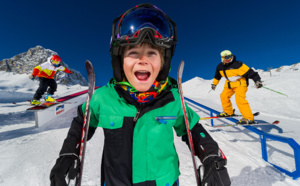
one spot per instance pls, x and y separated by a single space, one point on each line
55 59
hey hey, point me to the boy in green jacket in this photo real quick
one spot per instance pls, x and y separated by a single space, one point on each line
139 149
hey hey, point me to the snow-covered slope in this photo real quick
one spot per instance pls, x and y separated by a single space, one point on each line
27 154
285 81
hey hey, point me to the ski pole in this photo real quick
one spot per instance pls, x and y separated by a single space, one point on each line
274 91
209 90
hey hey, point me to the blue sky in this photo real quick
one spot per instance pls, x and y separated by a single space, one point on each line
261 33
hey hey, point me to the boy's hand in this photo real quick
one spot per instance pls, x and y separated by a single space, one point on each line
31 77
65 164
215 172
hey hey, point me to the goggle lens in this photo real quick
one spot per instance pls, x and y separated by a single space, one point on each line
226 57
55 62
143 17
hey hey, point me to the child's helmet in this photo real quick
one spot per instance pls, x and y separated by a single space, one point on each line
55 60
136 24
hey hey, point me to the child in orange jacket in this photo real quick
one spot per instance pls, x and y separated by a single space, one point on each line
46 72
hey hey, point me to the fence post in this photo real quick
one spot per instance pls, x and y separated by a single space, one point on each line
297 162
212 121
264 147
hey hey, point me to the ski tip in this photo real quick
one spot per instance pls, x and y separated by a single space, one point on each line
256 114
89 66
276 122
87 62
182 62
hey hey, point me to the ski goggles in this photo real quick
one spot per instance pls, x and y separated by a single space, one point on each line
55 62
134 25
226 57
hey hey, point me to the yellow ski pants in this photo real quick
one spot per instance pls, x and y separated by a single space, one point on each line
240 98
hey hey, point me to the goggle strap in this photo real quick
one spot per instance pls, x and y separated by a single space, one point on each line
140 38
116 51
168 52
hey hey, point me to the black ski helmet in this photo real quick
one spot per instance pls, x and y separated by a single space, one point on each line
136 24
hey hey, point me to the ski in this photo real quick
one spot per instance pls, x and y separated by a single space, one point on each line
61 100
21 103
219 117
43 103
85 126
254 124
179 83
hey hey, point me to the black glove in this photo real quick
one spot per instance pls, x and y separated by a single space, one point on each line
66 164
215 172
213 86
258 84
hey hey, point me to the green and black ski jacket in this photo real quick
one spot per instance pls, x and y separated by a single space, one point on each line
138 148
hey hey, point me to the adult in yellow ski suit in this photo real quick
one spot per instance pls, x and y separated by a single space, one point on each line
237 75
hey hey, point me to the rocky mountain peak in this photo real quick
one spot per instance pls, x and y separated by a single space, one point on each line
25 62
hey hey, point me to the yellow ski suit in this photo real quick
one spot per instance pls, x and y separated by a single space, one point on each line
237 75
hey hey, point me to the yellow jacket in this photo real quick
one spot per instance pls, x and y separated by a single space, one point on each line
236 74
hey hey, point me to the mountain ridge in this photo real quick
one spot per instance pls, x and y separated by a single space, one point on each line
24 63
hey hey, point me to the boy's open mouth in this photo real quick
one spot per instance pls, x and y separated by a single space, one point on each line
142 75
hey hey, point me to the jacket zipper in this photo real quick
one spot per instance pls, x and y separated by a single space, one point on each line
136 117
139 109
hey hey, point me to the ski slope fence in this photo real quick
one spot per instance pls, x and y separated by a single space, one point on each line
263 139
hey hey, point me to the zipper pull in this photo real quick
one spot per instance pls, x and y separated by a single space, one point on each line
136 115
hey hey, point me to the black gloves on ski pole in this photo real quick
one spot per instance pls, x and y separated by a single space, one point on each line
258 84
213 87
65 165
215 172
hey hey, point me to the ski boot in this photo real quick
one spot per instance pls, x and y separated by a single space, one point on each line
246 121
35 102
49 98
224 114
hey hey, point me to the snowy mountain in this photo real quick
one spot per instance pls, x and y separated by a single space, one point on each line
25 62
27 154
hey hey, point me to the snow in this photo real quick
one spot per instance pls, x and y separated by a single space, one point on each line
27 154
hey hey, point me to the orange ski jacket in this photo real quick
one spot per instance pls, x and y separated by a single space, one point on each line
47 70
